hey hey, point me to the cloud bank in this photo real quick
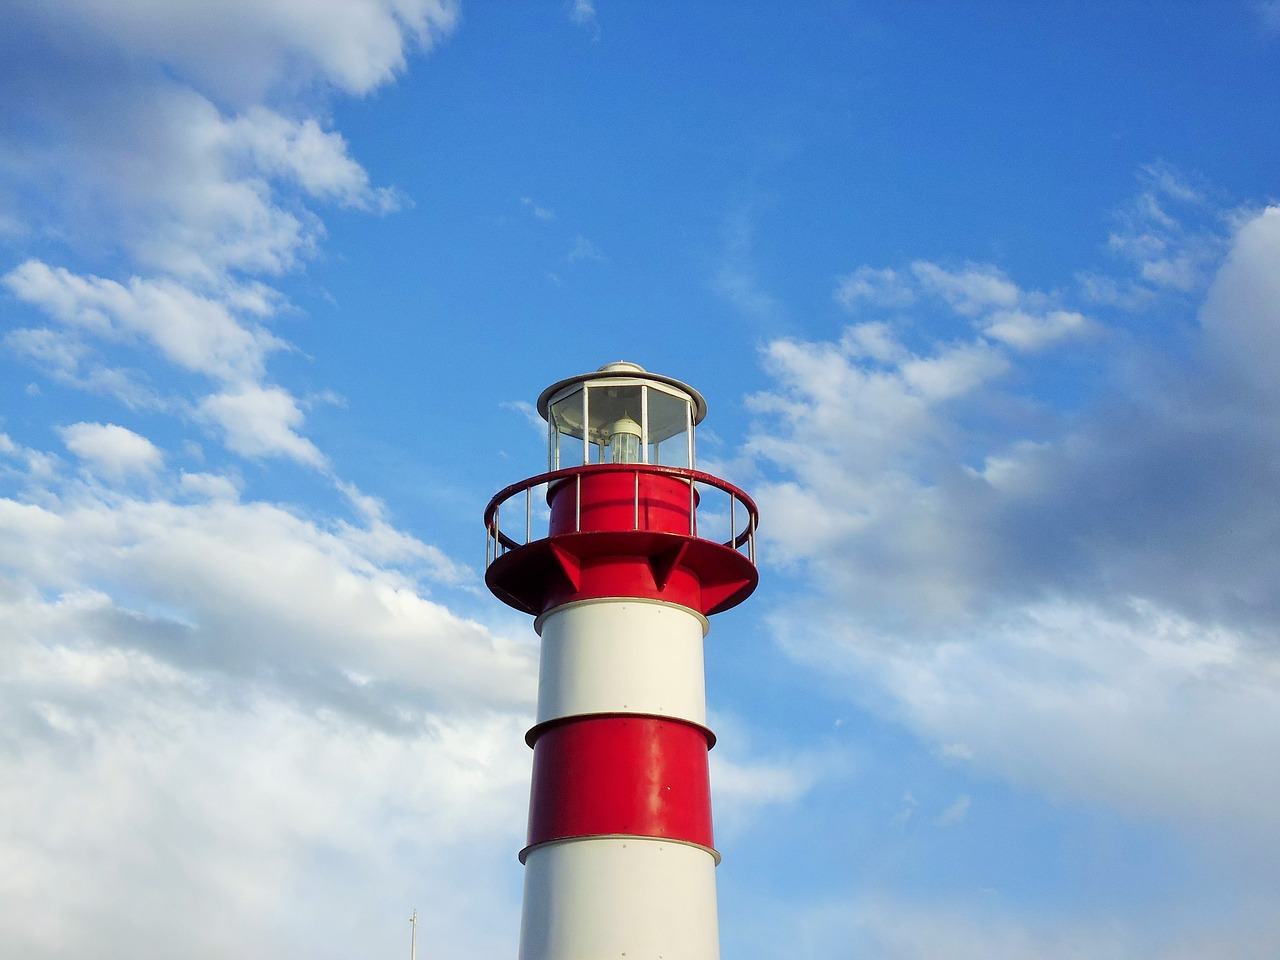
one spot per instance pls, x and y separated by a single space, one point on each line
1084 603
216 708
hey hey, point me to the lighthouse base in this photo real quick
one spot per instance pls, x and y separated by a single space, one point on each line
600 898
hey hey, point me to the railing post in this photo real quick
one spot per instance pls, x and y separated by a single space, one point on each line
577 506
528 514
636 502
692 526
733 521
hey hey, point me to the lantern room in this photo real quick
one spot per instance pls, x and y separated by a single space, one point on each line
621 414
628 513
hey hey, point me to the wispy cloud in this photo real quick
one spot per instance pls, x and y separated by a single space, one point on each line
1022 320
583 13
735 279
583 249
955 813
1152 233
215 335
879 287
528 412
1268 17
539 211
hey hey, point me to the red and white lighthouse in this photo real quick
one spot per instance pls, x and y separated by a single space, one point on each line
639 549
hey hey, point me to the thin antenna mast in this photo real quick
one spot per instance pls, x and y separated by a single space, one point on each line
413 942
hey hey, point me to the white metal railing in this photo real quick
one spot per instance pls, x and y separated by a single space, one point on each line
740 507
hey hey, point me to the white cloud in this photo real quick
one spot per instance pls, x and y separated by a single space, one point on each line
1022 320
301 831
151 130
279 600
215 335
1128 295
66 358
1023 331
243 711
158 173
969 291
1241 315
301 151
238 708
261 421
852 433
210 485
112 450
1139 709
1151 234
1090 613
873 341
745 783
759 782
878 287
234 707
197 333
244 50
952 372
35 466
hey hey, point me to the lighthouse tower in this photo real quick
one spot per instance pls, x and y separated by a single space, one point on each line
639 548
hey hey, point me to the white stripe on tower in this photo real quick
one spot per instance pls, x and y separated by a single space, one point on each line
622 656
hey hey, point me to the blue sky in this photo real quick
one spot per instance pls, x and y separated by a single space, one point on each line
986 305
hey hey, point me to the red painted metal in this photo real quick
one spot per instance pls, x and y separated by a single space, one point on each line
623 530
698 574
622 500
625 774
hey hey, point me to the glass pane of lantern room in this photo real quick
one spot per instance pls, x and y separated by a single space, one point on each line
616 413
669 422
566 432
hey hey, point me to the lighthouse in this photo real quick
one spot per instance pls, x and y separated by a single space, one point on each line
632 552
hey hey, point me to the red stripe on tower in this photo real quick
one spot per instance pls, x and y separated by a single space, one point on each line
640 548
626 775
